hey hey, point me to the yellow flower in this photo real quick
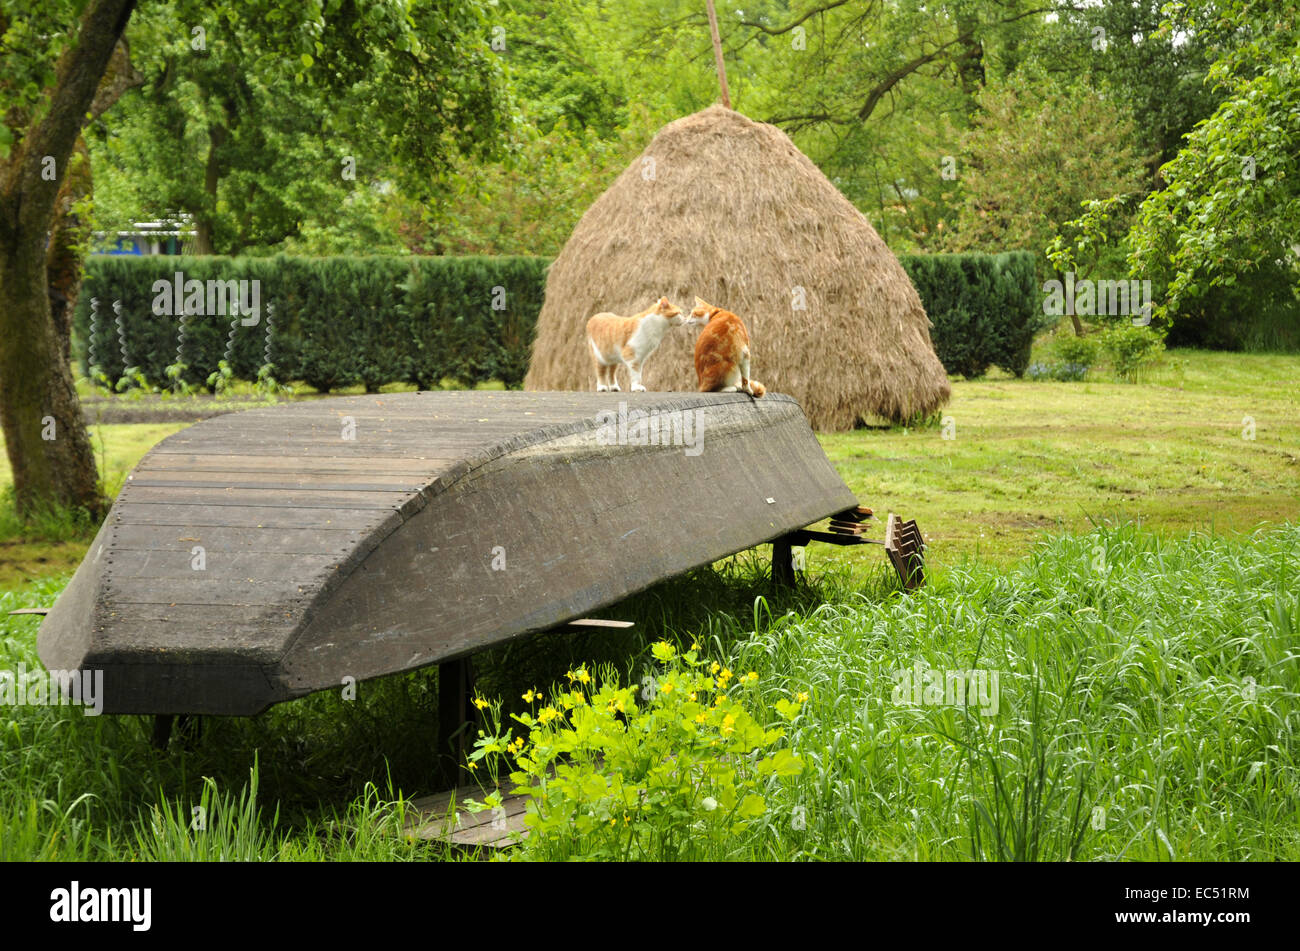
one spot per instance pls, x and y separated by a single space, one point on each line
802 696
579 700
725 676
583 677
546 715
695 645
532 695
473 765
663 651
667 686
728 723
694 697
626 818
480 703
714 667
700 718
752 675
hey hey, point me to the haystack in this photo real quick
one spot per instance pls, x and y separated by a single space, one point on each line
727 209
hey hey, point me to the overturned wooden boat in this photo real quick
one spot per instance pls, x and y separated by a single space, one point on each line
263 555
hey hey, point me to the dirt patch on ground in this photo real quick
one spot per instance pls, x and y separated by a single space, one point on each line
23 562
155 409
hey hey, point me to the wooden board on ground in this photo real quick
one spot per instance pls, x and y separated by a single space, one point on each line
442 817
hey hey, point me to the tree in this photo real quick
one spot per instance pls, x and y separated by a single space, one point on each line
51 76
286 131
1035 153
414 83
1225 222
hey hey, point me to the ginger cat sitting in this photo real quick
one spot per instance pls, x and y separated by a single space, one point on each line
631 340
722 352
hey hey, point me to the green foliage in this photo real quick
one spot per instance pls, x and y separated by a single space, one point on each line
1090 243
332 322
673 778
342 321
1220 234
1036 151
1148 55
985 308
1130 348
220 827
299 119
1074 349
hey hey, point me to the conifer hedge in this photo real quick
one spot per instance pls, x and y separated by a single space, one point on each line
334 322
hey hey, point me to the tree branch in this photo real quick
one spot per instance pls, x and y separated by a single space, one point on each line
777 31
79 71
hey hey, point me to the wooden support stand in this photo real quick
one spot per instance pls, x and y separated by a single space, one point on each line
190 729
783 561
903 544
458 718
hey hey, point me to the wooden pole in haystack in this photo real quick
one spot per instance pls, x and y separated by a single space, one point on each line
717 54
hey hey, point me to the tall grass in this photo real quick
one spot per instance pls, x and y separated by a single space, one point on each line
1149 707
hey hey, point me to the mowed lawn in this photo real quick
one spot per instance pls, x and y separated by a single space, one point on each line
1025 457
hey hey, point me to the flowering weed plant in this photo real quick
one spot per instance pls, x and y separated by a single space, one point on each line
669 770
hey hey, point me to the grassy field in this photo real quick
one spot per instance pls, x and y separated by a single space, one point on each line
1030 456
1148 692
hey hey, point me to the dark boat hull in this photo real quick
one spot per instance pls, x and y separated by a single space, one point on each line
261 556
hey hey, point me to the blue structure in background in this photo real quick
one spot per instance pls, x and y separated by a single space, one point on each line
152 237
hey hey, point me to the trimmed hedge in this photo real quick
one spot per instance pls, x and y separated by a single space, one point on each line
340 321
331 322
985 308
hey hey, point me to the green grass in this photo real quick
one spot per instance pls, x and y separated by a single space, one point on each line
1148 706
54 542
1029 457
1148 674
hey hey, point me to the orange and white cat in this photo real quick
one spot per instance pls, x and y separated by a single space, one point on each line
722 352
615 340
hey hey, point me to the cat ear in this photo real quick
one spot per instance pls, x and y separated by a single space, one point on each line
700 303
663 301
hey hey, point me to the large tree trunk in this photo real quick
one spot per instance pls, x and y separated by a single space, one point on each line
70 233
66 255
45 435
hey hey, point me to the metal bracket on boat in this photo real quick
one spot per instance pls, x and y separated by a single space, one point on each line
903 544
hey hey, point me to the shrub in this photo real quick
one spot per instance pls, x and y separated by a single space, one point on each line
340 321
332 321
674 777
1078 350
985 308
1130 347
